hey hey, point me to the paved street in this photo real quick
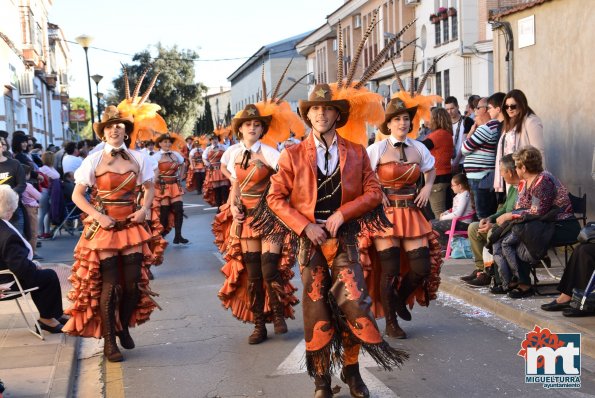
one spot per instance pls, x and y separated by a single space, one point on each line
193 348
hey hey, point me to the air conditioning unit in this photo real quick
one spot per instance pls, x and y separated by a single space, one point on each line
26 86
412 2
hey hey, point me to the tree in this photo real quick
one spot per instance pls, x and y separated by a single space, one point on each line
228 114
208 118
83 129
175 90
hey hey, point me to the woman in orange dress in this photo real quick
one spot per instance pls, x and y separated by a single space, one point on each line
409 248
196 170
109 275
168 193
257 287
216 186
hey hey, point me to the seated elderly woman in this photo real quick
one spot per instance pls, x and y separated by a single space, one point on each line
16 255
543 214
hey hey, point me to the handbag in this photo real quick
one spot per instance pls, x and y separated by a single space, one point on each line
461 248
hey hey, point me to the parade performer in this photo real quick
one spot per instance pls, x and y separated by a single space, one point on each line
216 185
409 248
109 276
168 193
254 266
196 169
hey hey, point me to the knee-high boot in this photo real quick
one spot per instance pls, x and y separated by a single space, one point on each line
178 210
132 266
256 296
419 264
390 262
107 308
274 287
164 217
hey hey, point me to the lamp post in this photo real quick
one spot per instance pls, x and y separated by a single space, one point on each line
85 42
97 79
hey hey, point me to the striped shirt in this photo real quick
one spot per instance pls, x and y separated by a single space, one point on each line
480 150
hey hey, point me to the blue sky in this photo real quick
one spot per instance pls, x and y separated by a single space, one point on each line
216 29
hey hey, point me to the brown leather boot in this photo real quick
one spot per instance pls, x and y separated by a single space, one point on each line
275 291
108 312
393 329
357 387
256 292
323 387
132 265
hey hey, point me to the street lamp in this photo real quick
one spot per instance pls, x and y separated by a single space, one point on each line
99 98
85 42
97 79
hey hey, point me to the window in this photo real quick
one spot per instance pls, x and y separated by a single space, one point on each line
416 83
455 27
439 83
357 21
438 35
447 83
445 30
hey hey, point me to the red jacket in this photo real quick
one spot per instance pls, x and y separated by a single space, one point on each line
296 181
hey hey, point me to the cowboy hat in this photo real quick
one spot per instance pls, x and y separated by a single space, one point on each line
250 112
112 115
395 107
322 95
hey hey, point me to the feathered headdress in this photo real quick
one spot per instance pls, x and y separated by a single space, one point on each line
364 106
148 124
414 97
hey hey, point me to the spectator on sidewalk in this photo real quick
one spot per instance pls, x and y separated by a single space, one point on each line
4 144
462 206
71 161
16 255
460 128
13 175
471 107
479 232
481 115
480 155
36 153
31 198
521 127
51 174
439 142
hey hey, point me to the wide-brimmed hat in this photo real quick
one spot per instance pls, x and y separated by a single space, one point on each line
323 95
165 136
112 115
250 112
396 106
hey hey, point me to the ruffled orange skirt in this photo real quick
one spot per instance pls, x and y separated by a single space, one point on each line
221 227
234 292
86 279
207 189
167 191
408 222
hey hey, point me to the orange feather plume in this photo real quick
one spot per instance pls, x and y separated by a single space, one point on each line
283 122
364 107
146 119
424 105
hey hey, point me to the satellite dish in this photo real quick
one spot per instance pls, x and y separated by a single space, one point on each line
424 37
384 90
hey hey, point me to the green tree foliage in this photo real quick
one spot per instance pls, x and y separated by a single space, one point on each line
228 114
209 126
175 90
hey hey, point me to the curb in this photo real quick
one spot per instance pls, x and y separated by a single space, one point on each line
66 367
520 316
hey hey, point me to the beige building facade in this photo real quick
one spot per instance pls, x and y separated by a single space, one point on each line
552 63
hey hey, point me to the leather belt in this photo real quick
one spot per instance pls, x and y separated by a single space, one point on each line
402 203
117 202
399 191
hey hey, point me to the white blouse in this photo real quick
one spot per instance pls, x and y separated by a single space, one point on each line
270 154
377 149
85 175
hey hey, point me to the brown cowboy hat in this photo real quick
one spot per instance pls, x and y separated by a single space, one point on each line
112 115
396 106
250 112
165 136
322 95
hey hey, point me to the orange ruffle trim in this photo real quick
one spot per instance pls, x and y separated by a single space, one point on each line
86 281
170 191
207 189
407 222
423 294
221 227
234 292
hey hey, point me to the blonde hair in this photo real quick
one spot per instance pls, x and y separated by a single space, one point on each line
9 201
440 119
530 157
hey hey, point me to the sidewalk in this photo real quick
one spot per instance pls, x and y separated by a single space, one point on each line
33 368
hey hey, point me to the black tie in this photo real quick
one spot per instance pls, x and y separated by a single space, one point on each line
401 146
246 159
121 152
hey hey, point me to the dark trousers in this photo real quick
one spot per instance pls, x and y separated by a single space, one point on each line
484 196
48 298
579 269
199 179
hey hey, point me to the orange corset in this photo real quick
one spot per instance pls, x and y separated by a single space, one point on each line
168 169
253 181
398 176
215 156
117 194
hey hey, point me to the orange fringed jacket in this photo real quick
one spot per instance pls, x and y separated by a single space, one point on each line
296 180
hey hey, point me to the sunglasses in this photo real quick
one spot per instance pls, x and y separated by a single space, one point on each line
511 107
